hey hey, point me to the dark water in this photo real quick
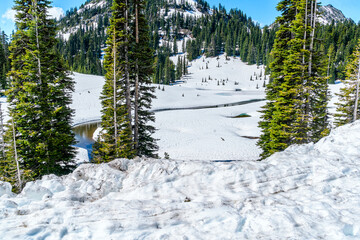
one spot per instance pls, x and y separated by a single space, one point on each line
84 136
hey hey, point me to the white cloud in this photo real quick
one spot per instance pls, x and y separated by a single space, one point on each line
53 12
56 12
9 14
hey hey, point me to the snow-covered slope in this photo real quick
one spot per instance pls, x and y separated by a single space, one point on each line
306 192
89 14
329 13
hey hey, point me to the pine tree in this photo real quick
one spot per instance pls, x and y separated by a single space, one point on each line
348 106
129 65
145 144
175 47
39 95
297 95
115 140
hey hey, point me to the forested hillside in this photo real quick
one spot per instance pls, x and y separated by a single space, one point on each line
195 28
338 41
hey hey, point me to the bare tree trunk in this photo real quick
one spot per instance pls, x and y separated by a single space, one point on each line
16 156
2 132
115 91
328 68
136 129
313 23
127 74
357 94
305 34
37 39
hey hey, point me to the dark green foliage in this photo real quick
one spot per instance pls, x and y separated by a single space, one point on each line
338 41
126 135
297 95
115 140
143 53
347 96
39 95
4 61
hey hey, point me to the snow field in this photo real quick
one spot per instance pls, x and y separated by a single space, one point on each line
198 134
193 134
211 134
306 192
86 97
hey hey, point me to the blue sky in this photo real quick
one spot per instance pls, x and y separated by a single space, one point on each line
262 11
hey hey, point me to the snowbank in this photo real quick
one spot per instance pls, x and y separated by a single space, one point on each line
306 192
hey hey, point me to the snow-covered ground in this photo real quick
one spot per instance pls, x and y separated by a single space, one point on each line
86 102
306 192
206 134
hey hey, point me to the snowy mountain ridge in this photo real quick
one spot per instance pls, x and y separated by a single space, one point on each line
306 192
329 13
90 12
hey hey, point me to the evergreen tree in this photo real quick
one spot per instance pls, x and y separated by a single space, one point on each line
129 65
348 106
145 144
39 95
175 48
115 140
179 68
297 95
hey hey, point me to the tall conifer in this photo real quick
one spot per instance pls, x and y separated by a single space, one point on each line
297 94
145 144
115 140
39 95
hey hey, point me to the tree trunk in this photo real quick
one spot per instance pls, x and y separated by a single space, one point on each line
127 74
357 94
115 89
313 23
305 34
37 40
16 156
136 127
2 132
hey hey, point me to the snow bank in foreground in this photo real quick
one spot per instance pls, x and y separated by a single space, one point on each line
306 192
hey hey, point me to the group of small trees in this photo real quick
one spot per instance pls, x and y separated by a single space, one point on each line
127 93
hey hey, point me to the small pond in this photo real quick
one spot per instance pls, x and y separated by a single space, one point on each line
84 136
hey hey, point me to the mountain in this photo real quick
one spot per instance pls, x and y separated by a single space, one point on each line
329 13
176 26
92 13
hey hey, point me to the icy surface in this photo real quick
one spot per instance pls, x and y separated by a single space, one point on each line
306 192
